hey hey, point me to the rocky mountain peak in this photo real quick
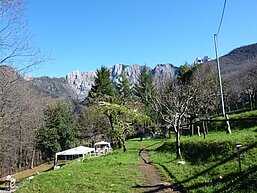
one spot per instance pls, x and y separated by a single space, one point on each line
164 71
82 82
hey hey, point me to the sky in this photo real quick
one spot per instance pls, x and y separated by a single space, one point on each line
87 34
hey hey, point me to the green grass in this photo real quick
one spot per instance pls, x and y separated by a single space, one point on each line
116 172
211 164
245 114
239 124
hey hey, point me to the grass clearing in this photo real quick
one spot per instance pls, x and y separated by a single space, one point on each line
116 172
211 166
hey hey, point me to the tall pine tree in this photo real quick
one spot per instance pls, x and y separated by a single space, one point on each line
125 88
145 87
102 88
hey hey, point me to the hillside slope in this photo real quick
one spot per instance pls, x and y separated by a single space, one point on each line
237 61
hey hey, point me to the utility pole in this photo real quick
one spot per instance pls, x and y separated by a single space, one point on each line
219 76
220 82
218 69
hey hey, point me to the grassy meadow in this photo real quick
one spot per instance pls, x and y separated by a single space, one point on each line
116 172
211 165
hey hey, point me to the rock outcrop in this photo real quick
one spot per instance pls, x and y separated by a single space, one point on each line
81 82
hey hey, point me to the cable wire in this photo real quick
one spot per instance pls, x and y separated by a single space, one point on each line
222 15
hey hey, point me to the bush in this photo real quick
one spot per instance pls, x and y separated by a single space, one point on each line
204 151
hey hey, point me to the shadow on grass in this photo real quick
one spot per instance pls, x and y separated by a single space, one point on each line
241 181
233 156
159 187
168 172
233 181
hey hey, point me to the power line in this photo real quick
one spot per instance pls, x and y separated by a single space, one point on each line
222 15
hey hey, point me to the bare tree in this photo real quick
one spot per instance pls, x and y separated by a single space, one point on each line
232 93
20 115
180 99
15 45
172 102
204 83
248 82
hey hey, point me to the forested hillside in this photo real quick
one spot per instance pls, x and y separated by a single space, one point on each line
21 114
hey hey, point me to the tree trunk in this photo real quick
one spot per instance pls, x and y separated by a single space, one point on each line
178 150
141 137
33 158
229 108
251 101
206 127
236 106
123 145
20 148
119 144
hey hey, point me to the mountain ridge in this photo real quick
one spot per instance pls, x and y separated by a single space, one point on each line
76 85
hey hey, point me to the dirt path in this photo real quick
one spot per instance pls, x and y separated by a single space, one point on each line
153 181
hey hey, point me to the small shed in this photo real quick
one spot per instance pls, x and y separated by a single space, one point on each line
80 150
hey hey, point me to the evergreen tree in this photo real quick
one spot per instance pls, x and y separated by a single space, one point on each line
103 87
59 131
145 88
125 88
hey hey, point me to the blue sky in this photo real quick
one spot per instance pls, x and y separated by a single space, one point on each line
86 34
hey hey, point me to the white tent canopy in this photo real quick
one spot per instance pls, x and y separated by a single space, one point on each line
80 150
102 147
103 143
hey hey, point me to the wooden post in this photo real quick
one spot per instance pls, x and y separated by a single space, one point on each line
204 131
198 131
191 126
